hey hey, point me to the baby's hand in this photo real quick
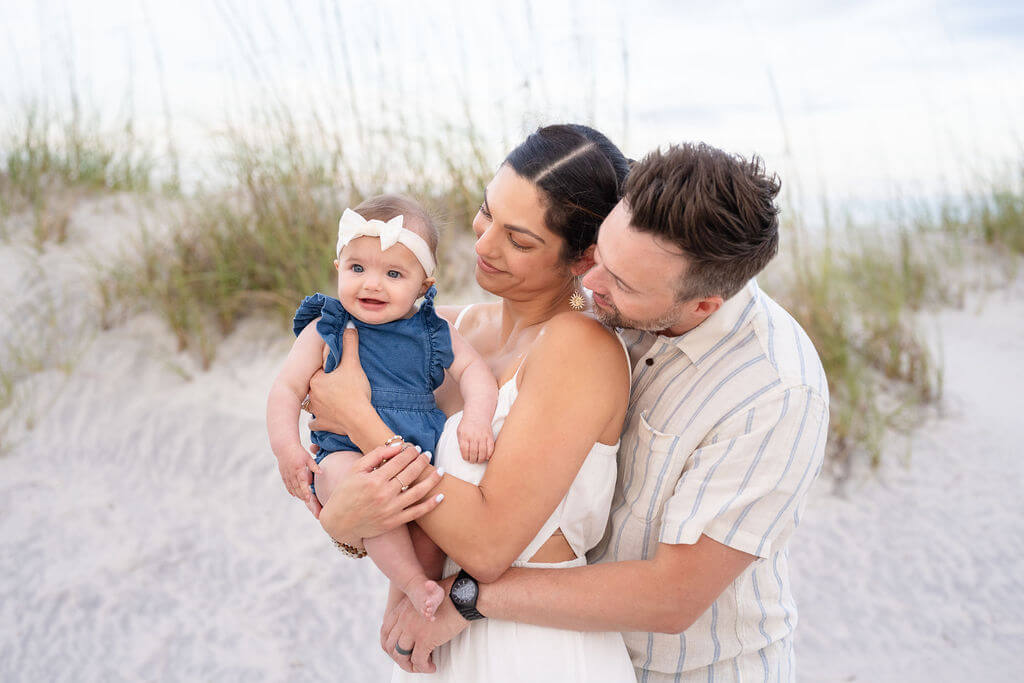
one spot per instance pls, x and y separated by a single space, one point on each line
295 468
476 440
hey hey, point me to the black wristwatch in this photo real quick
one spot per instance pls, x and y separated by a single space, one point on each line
465 590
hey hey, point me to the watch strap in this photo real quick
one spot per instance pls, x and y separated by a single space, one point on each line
468 612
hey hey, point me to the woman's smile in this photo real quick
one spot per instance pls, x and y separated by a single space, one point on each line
485 266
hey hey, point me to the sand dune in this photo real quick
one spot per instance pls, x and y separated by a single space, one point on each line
145 534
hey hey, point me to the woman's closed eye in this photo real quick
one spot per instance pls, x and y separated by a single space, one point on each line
484 212
517 245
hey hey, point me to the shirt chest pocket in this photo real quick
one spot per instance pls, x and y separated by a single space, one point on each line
658 463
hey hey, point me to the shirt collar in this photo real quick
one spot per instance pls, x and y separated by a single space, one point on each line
727 319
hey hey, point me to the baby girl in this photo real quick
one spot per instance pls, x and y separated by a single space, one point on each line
385 263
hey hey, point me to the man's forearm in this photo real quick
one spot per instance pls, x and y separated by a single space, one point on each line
617 596
666 593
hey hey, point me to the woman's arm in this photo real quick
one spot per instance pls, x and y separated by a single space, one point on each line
562 409
283 401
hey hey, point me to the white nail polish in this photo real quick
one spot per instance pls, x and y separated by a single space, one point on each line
350 325
440 471
427 453
418 449
440 497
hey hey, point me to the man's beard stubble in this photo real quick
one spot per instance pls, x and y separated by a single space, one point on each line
613 318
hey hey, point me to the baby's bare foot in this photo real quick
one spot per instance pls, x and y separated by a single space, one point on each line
426 596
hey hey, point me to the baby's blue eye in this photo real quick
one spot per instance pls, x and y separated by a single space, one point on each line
356 268
394 274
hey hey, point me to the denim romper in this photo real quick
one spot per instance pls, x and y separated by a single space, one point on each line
404 360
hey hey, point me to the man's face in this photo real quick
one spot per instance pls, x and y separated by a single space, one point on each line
635 278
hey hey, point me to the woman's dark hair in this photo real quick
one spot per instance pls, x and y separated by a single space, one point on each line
580 174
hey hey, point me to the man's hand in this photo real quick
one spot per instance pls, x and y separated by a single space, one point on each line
369 500
339 399
405 626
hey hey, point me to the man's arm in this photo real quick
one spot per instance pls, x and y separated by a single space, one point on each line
665 594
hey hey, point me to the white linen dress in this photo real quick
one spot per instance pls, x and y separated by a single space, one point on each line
496 651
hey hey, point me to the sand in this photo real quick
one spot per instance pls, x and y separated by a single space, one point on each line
145 534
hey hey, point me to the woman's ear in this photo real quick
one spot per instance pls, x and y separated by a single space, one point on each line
427 284
585 262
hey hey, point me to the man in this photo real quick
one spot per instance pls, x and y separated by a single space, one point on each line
724 435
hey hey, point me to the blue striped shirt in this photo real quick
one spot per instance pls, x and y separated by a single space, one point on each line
725 433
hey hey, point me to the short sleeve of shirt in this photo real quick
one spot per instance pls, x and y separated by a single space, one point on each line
746 484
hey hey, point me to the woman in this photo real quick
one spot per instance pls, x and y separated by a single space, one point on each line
543 498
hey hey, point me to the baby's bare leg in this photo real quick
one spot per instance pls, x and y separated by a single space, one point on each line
430 556
392 551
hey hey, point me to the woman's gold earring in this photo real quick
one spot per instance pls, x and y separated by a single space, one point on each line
577 302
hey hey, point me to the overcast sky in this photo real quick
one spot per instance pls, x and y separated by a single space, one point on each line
861 100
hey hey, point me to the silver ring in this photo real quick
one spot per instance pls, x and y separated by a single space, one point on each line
402 651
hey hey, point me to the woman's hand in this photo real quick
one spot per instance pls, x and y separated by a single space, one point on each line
369 500
340 399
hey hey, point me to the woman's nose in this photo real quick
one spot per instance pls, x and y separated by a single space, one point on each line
484 240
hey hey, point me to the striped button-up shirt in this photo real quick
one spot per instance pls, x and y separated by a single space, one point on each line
724 435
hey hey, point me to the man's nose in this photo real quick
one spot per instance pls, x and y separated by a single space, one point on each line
592 280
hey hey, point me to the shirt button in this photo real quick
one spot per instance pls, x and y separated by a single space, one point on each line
649 361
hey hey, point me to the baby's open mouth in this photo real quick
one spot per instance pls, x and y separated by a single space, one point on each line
372 302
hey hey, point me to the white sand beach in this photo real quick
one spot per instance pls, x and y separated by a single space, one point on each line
145 534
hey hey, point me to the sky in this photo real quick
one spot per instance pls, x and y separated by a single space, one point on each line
849 101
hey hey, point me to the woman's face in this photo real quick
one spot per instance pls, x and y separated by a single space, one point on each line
517 255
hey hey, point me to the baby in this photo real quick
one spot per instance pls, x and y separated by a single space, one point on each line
385 262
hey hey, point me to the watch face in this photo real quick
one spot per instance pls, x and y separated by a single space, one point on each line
464 591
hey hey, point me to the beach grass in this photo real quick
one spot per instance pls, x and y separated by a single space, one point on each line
50 159
264 239
261 238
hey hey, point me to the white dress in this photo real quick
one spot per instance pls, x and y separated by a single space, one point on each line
496 651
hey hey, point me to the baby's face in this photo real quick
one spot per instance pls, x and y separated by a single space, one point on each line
378 287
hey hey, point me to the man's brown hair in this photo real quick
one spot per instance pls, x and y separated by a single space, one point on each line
718 208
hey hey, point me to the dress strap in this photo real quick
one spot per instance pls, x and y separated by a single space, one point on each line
629 361
462 314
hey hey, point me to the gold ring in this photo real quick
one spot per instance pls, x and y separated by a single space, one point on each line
404 485
305 405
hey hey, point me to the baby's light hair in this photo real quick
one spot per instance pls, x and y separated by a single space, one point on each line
384 207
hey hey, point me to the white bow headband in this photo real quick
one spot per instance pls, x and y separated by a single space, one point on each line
352 225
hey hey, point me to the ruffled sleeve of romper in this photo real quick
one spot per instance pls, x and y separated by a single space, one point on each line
333 318
441 355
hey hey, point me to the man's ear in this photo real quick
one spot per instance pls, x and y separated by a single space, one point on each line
585 262
427 284
707 306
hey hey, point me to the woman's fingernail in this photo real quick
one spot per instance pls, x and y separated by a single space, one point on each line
350 325
427 453
418 449
440 471
440 497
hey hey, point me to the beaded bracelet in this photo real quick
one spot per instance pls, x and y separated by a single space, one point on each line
350 550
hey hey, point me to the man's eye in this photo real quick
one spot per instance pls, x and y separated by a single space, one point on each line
394 274
356 268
